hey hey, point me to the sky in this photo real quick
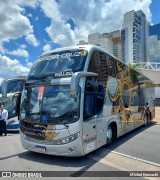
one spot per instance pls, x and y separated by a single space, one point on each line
29 28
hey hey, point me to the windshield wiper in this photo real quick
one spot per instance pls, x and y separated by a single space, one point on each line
62 122
67 114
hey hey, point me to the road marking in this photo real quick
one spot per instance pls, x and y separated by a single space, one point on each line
132 157
124 162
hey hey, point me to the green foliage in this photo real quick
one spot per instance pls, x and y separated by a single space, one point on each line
134 66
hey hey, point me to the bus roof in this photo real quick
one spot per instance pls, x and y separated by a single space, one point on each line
14 78
88 47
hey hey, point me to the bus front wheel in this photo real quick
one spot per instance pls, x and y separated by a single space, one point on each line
109 138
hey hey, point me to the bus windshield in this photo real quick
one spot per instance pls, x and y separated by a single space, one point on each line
11 106
59 62
49 104
10 87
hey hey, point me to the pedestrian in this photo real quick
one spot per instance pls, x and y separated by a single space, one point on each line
147 112
142 110
4 117
127 112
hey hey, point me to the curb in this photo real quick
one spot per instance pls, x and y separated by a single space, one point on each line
156 120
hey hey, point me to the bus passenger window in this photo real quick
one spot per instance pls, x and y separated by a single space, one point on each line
99 103
99 99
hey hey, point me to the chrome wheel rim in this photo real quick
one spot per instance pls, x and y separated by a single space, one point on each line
109 135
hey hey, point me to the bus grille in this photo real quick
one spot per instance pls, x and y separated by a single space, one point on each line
47 142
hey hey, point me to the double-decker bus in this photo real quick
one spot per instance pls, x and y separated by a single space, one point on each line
76 99
11 98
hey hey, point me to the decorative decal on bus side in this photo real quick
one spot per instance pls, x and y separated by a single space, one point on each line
123 93
123 81
102 130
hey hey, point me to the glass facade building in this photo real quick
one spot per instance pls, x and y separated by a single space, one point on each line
155 30
134 37
154 43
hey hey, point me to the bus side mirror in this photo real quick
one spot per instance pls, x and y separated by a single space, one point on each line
75 81
15 94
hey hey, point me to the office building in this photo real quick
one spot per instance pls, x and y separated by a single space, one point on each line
115 37
108 41
134 37
103 42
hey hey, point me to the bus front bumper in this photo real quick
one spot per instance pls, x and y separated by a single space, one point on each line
72 149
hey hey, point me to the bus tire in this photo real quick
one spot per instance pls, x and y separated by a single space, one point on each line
109 138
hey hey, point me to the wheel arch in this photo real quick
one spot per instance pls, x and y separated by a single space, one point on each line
113 125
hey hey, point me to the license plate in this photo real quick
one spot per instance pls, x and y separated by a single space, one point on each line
40 148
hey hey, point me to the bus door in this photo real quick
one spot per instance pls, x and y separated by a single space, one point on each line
89 123
93 105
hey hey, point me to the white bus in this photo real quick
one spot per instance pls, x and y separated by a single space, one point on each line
12 87
77 99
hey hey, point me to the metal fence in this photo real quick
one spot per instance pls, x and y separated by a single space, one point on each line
147 65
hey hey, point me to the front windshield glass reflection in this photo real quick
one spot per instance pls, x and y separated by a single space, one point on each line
52 104
30 105
11 106
59 62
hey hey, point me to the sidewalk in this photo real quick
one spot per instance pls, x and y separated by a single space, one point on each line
157 115
156 120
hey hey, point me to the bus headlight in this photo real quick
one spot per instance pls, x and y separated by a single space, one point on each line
68 139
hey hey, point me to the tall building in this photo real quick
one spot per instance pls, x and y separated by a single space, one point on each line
154 43
82 42
134 37
108 41
115 37
103 42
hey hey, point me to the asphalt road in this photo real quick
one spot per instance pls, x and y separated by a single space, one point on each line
143 143
15 158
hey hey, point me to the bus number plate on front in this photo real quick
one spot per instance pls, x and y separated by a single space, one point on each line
40 148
